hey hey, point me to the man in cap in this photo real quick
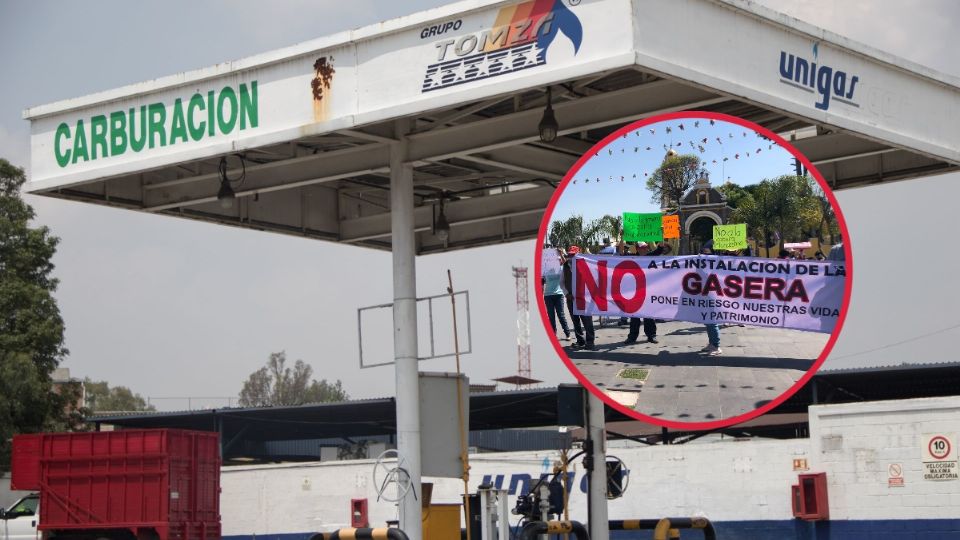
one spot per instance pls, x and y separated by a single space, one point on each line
582 324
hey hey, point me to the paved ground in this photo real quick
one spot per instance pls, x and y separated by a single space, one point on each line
757 365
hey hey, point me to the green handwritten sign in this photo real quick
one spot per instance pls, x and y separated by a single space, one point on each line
730 237
642 227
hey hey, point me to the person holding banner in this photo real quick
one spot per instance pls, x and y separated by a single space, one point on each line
649 325
582 324
713 330
553 293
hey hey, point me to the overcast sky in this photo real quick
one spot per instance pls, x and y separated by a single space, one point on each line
175 308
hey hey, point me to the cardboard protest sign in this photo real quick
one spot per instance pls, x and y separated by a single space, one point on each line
729 237
549 262
671 226
802 295
642 227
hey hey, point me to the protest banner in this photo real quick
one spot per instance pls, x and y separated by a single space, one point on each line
642 227
802 295
671 226
730 237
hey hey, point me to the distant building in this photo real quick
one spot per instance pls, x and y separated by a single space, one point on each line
61 380
700 209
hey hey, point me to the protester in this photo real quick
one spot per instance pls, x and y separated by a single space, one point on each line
836 253
582 324
610 248
713 330
623 249
649 325
553 299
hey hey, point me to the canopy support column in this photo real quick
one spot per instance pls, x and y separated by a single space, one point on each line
597 432
405 327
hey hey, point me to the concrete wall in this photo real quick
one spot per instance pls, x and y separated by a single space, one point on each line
729 480
742 486
856 443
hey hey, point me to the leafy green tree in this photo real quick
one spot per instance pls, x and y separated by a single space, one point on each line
31 329
828 225
792 208
610 227
756 213
573 232
278 384
735 194
102 398
675 176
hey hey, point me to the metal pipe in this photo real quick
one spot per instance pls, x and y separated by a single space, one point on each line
596 429
533 528
633 524
662 529
380 533
405 326
667 527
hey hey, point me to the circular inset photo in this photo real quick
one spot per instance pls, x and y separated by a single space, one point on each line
693 269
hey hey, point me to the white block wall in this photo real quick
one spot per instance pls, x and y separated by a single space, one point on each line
729 480
725 481
855 444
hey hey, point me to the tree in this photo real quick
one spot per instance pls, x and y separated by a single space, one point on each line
573 232
276 384
31 329
735 194
610 226
828 225
756 213
675 176
786 208
101 398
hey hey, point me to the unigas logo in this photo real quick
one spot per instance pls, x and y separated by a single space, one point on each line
825 81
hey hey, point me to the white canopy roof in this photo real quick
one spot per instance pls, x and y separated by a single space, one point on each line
313 122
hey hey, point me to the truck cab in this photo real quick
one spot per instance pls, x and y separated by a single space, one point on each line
19 522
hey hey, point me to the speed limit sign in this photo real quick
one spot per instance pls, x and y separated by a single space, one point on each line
940 457
939 447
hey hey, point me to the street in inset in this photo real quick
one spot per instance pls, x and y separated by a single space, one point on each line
683 384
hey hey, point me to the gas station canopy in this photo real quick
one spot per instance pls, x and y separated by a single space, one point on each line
308 128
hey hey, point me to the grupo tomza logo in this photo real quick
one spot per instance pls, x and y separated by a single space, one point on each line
825 81
518 40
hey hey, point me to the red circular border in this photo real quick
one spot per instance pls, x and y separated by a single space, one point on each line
848 286
930 447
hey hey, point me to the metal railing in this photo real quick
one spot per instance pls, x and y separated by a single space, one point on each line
380 533
667 527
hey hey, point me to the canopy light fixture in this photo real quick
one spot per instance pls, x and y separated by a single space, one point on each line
548 124
441 227
226 195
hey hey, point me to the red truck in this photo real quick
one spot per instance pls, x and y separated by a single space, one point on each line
161 484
